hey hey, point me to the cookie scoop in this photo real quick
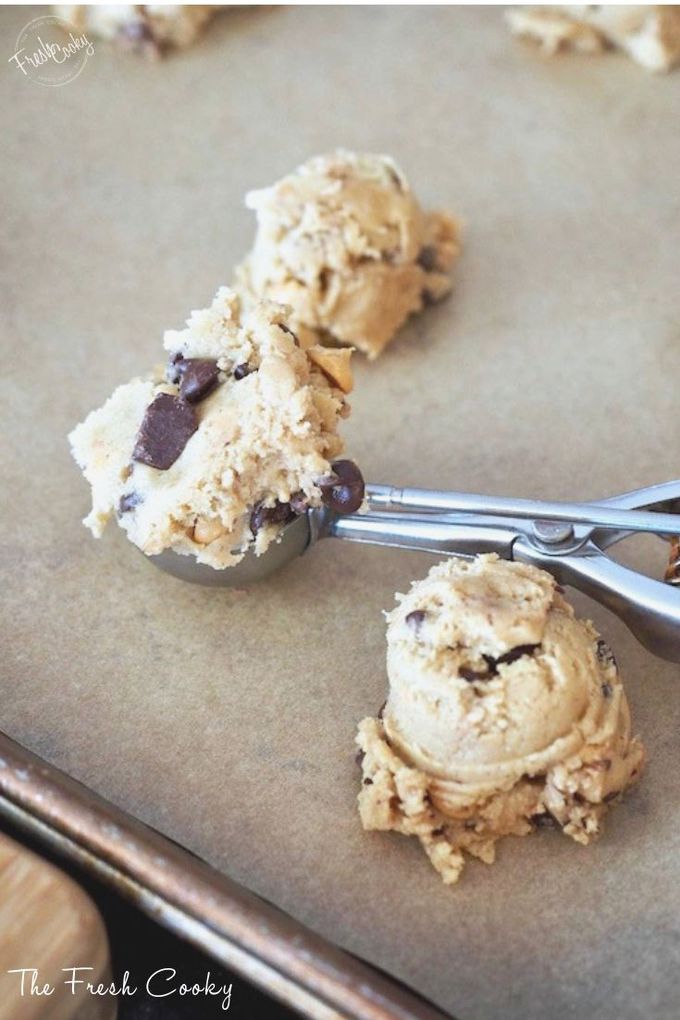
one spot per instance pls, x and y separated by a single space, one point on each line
505 714
345 243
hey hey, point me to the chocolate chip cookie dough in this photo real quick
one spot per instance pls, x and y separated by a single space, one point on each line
235 439
149 29
344 242
649 34
505 713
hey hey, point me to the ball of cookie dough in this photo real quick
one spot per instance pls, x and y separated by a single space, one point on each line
214 453
505 712
344 242
149 29
650 34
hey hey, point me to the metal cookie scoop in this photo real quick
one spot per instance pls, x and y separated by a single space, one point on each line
567 539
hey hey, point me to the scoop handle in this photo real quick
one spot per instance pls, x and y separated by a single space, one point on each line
650 609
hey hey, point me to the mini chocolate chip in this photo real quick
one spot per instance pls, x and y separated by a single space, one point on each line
474 674
516 653
579 798
607 690
166 428
344 490
199 377
280 513
439 831
290 333
241 371
427 258
128 501
415 620
604 653
368 781
544 820
298 503
470 824
359 757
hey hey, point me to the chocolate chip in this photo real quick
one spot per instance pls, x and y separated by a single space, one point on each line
241 371
439 831
359 757
427 258
607 690
343 491
368 781
280 513
198 378
415 620
544 820
605 654
166 428
298 503
474 674
290 333
516 653
128 501
470 824
381 711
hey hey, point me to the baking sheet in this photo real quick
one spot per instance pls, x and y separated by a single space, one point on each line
226 719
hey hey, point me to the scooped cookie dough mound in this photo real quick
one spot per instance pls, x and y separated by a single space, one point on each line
229 445
149 29
649 34
344 242
505 713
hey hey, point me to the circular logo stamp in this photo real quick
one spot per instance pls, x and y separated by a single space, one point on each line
49 51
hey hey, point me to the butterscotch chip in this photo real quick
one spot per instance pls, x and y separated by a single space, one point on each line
335 365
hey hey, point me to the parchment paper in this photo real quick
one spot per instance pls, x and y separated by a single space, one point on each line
227 719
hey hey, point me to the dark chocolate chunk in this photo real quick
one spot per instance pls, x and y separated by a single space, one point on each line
241 371
544 820
604 653
439 831
415 620
607 690
344 490
427 258
167 427
280 513
128 501
199 377
298 503
368 781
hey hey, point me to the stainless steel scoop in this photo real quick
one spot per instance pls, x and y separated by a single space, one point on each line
567 539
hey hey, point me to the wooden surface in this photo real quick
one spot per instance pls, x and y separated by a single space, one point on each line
227 719
47 923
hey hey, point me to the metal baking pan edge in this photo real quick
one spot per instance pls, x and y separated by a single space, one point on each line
186 895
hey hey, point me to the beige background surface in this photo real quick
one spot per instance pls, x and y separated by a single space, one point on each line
227 719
